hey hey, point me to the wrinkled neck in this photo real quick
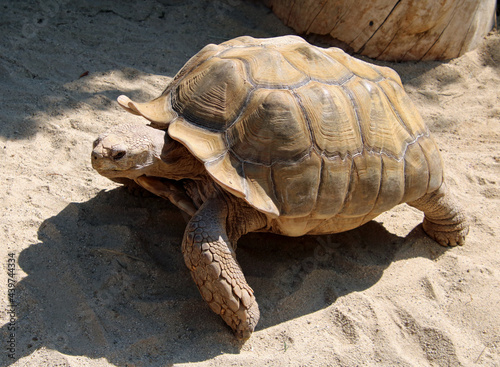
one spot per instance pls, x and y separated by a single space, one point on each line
177 163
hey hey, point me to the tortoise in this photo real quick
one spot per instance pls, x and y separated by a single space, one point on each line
280 136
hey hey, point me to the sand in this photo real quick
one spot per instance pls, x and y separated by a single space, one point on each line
96 275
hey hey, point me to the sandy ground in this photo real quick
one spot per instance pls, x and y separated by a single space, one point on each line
96 275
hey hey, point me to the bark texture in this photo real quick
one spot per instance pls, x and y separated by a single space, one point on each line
394 30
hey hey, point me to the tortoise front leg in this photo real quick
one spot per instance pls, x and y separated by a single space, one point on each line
444 220
169 191
210 256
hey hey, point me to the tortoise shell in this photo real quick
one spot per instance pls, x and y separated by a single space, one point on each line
299 132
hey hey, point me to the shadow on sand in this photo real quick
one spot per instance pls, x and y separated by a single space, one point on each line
108 280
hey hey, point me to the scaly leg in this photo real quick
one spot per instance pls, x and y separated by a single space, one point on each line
169 191
210 256
444 220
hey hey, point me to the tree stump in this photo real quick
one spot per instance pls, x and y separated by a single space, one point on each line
393 30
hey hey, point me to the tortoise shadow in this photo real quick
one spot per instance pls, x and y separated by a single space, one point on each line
293 277
108 280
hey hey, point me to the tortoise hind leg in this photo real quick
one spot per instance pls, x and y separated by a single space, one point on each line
444 220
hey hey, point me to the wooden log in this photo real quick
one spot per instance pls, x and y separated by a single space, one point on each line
394 30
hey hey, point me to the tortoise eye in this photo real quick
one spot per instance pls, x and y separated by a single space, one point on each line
118 155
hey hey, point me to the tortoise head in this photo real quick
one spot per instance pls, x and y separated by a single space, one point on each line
128 151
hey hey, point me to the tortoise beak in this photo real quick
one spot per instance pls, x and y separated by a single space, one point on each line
97 156
100 156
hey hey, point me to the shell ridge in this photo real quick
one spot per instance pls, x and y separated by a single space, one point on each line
355 107
228 47
212 97
190 87
424 134
320 183
285 87
215 98
348 155
428 168
395 111
273 185
273 188
388 137
306 116
302 83
192 121
331 157
329 127
404 179
403 152
308 78
293 86
248 71
371 150
327 82
259 195
242 111
380 78
378 191
322 50
353 170
178 77
315 197
246 189
277 161
215 159
257 85
254 163
345 81
245 160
